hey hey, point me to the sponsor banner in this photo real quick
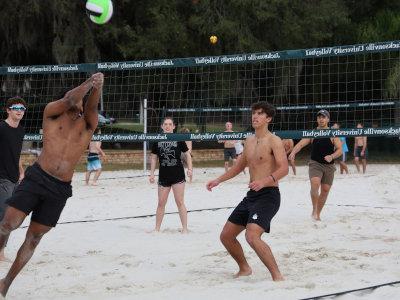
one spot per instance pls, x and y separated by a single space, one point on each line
285 108
221 136
348 132
209 60
129 65
353 49
46 69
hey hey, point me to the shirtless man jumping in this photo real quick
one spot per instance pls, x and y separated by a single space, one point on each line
68 126
265 156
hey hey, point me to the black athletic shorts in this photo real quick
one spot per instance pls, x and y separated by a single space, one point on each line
358 152
258 208
42 194
170 182
229 153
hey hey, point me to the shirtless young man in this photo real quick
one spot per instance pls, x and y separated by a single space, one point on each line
265 156
68 126
229 147
360 151
321 168
289 145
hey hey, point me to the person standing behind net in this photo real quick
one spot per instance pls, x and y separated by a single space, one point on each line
11 139
321 166
93 160
171 174
265 156
68 126
189 144
360 151
289 145
345 149
229 148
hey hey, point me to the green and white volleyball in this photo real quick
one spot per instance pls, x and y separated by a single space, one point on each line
99 11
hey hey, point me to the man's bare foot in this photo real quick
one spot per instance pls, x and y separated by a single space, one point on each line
184 231
278 278
3 289
243 272
94 183
315 217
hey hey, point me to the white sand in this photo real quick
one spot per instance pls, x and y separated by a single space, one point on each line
354 246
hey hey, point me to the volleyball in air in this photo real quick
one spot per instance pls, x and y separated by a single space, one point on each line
99 11
213 39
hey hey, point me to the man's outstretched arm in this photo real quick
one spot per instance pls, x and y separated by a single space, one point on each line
91 106
70 99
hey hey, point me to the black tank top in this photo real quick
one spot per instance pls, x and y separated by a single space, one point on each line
321 148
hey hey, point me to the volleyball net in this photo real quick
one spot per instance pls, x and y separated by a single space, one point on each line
356 83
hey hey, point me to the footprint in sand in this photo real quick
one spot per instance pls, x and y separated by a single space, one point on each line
43 262
218 254
125 255
346 258
93 252
288 255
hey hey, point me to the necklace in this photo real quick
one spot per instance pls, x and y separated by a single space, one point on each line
259 139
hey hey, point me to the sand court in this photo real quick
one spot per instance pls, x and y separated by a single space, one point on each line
102 249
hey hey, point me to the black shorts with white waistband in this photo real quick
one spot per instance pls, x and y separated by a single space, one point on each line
258 208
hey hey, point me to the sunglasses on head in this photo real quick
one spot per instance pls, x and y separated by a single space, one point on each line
18 107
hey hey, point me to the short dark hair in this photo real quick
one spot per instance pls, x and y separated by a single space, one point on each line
15 100
168 118
265 107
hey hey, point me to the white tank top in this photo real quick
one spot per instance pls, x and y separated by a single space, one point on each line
239 147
